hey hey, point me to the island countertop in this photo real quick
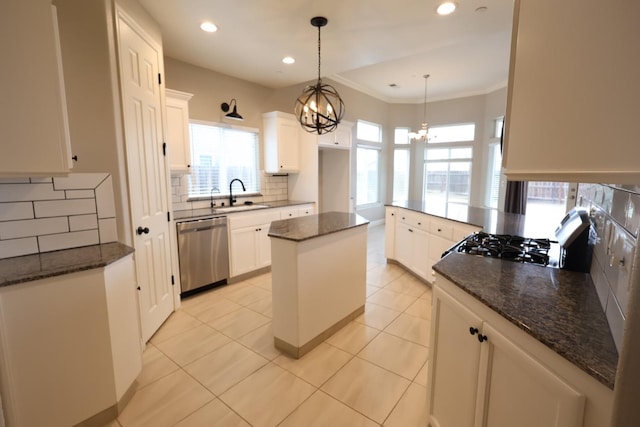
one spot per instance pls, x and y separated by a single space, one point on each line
559 308
312 226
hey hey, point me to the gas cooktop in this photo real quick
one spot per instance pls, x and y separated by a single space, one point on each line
543 252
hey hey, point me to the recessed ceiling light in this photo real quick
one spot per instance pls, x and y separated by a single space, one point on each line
209 27
446 8
288 60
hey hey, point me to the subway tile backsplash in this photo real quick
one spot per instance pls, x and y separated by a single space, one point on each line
48 214
615 214
274 188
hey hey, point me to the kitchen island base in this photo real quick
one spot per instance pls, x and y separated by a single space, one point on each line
319 281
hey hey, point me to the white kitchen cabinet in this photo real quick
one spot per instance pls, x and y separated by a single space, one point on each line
340 138
417 240
177 104
484 371
70 345
306 210
249 243
573 93
390 232
33 125
281 139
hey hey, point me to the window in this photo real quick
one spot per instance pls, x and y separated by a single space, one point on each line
368 161
452 133
220 154
369 136
401 164
495 164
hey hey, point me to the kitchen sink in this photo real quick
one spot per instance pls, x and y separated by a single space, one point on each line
238 208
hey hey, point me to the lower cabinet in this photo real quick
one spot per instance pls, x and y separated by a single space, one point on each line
249 241
70 346
411 249
483 372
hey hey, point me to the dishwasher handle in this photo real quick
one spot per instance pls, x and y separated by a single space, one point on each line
201 224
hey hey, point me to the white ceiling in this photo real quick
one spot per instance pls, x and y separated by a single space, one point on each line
367 44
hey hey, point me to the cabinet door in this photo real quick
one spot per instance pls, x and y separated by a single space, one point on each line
243 250
177 104
288 157
263 245
454 364
419 254
516 390
306 210
403 243
33 125
286 213
390 232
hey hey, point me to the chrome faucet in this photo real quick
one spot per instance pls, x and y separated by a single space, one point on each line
231 200
211 194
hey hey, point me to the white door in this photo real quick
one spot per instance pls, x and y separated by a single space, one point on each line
140 60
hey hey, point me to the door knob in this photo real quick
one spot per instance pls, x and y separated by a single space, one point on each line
141 230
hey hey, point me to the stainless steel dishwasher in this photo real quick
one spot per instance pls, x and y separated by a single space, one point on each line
203 253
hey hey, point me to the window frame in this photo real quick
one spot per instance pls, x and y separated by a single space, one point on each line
370 145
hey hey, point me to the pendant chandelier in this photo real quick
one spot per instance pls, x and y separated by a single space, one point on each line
319 109
423 133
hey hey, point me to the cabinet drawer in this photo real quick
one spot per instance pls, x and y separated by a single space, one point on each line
442 229
460 231
413 219
249 219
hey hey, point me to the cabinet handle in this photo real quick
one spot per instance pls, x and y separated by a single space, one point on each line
473 330
336 142
138 288
439 230
482 338
188 166
74 158
419 223
393 214
410 231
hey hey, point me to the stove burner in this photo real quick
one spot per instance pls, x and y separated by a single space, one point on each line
508 247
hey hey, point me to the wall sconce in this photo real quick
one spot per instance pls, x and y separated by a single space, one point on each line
233 114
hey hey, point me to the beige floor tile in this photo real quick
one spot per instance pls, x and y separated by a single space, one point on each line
113 423
322 410
367 388
248 295
420 308
192 344
395 354
225 367
262 281
414 329
178 322
200 302
267 396
260 340
165 402
353 337
408 284
213 414
239 322
423 374
393 300
263 306
382 275
155 365
427 295
411 410
376 316
218 308
318 365
372 290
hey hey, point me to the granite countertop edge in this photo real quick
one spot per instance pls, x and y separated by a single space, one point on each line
28 268
201 213
313 226
577 332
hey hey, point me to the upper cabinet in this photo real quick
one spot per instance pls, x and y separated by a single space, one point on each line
177 104
34 130
340 138
572 105
281 139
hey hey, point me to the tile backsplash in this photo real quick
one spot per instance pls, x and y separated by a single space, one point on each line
274 188
615 212
48 214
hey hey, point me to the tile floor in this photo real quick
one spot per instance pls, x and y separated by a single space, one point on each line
213 363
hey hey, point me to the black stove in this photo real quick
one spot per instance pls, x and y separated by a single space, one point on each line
543 252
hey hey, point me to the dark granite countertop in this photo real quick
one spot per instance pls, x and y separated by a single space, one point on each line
311 226
491 220
559 308
48 264
189 214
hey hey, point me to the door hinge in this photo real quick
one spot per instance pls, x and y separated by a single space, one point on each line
168 216
164 149
159 78
173 280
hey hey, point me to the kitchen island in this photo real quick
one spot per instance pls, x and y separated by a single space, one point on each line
319 277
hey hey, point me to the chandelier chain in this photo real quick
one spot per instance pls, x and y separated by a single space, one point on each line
319 53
